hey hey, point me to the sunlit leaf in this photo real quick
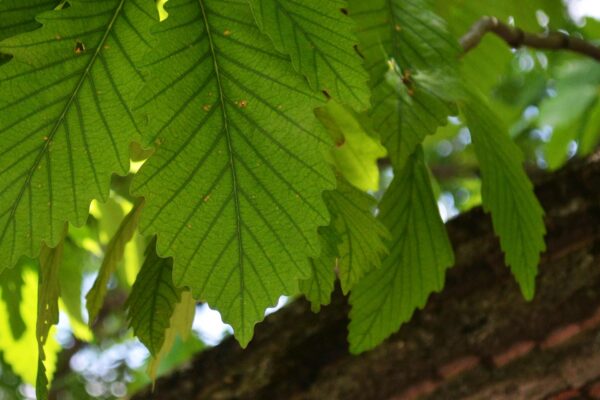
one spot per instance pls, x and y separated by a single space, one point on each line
420 253
22 353
355 153
114 254
412 61
234 188
47 309
152 300
70 276
319 286
507 193
363 237
180 325
11 284
18 16
66 125
318 37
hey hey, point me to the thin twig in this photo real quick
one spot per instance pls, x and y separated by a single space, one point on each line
516 37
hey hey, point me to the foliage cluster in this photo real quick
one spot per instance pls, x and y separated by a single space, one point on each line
263 127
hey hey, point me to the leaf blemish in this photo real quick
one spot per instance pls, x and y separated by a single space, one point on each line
243 103
226 32
79 47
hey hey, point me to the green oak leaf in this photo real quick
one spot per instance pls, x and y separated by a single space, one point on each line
363 237
318 36
152 300
319 286
507 193
47 309
233 191
113 255
355 153
412 62
18 16
66 125
180 325
11 285
21 352
420 253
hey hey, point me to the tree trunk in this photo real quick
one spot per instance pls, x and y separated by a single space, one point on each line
478 339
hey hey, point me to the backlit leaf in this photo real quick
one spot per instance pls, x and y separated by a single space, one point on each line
355 153
65 125
412 62
234 188
319 286
362 236
47 309
420 253
114 254
152 300
507 193
318 37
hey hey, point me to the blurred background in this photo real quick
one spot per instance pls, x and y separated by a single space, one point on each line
549 102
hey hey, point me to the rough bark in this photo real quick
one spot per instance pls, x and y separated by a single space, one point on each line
478 339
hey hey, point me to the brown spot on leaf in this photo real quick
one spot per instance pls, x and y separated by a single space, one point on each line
226 32
243 103
344 11
79 47
357 50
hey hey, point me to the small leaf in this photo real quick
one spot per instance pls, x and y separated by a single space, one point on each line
22 353
420 253
413 64
180 325
362 235
355 153
11 284
47 310
18 16
152 300
319 38
507 193
70 276
114 254
319 286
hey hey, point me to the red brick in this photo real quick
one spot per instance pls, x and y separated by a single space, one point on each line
569 394
517 350
458 366
594 391
592 322
421 389
561 335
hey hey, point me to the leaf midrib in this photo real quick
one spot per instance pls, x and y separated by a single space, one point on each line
235 193
50 137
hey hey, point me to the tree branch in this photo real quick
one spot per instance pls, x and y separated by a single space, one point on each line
516 37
